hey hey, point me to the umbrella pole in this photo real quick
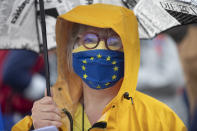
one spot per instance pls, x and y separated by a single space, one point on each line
45 49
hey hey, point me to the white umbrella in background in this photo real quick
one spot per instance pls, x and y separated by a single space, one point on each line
156 16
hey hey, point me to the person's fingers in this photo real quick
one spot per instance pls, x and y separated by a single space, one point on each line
45 104
45 112
46 116
46 100
42 123
49 108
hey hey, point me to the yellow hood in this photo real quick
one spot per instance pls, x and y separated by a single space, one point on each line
67 90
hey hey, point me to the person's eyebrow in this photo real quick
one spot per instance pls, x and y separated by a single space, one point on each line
92 30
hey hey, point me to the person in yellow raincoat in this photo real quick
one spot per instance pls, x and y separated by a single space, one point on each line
98 54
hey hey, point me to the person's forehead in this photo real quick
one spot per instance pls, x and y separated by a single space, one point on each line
90 28
100 30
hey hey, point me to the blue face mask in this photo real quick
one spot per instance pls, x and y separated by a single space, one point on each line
99 69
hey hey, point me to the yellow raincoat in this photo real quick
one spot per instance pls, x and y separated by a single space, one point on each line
141 112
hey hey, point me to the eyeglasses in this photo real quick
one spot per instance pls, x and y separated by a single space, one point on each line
90 40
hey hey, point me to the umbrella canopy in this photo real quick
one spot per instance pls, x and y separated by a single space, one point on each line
156 16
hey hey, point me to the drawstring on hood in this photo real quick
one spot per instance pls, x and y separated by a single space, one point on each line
126 96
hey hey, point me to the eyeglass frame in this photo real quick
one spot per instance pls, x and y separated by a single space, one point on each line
99 39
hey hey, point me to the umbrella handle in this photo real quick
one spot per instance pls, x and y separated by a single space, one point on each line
46 61
45 49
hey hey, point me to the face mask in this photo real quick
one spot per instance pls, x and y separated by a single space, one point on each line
99 69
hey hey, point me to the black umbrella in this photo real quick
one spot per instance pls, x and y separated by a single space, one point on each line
45 49
45 52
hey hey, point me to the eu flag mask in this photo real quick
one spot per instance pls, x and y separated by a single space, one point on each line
99 69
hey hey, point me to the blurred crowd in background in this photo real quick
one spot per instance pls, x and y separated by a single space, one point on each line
22 81
168 72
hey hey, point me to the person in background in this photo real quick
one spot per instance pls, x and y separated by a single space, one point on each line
22 83
23 71
98 51
188 54
1 121
160 74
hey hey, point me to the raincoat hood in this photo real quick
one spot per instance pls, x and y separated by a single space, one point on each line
122 21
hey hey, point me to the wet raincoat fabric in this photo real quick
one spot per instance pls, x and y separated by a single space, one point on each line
140 112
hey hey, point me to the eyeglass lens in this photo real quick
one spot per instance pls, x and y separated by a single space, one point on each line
91 41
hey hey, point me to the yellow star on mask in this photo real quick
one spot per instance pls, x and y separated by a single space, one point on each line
84 61
107 84
108 58
85 76
115 68
98 86
83 68
114 77
92 58
114 62
99 55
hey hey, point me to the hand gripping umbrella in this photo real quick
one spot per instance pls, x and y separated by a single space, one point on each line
45 51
